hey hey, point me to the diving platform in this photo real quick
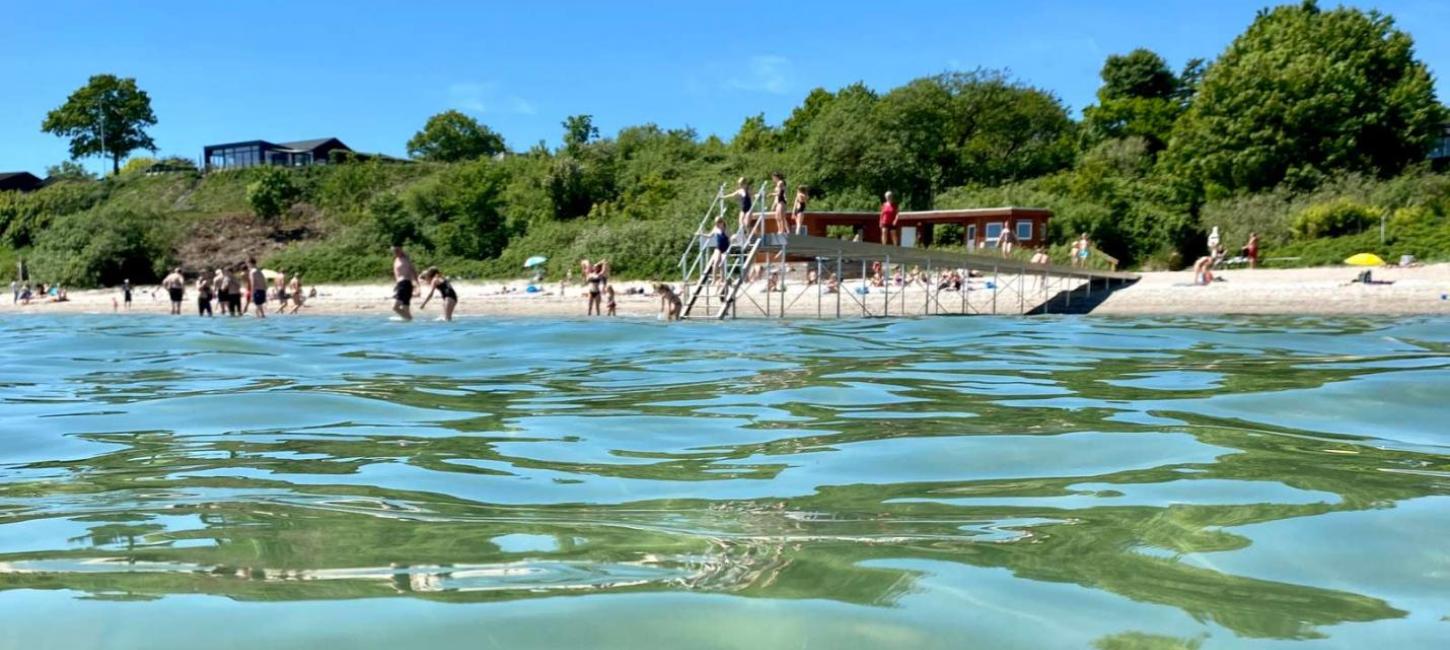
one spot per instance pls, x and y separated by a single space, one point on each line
780 275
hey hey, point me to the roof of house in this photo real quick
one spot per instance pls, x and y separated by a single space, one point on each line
308 145
5 176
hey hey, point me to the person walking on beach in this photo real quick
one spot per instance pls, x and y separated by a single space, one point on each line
175 286
295 289
437 282
1251 250
406 276
203 297
742 193
889 232
798 211
14 292
1213 240
126 293
1007 239
257 287
778 202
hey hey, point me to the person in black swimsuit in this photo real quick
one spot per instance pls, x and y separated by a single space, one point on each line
126 293
798 211
596 276
437 282
777 205
743 194
203 297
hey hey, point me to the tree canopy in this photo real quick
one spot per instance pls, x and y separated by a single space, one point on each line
108 116
451 136
1305 93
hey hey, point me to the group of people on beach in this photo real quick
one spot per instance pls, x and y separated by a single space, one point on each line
234 290
1217 258
23 293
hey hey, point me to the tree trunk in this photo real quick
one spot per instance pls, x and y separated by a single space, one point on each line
115 164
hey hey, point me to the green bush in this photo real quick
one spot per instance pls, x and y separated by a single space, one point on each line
272 193
23 216
1333 219
104 247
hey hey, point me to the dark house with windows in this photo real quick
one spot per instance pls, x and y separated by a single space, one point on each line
1440 154
253 153
20 182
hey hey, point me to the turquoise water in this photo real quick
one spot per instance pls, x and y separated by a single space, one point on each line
931 483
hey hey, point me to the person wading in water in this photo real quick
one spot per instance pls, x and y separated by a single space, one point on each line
407 280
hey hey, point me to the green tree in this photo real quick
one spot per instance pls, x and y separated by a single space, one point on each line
451 136
69 170
754 135
1303 94
1140 97
272 193
579 130
107 116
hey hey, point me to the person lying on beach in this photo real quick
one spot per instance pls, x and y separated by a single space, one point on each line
670 304
609 303
175 287
406 277
437 282
1040 256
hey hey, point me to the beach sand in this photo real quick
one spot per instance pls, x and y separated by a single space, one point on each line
1326 290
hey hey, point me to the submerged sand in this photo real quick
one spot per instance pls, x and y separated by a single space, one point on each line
1325 290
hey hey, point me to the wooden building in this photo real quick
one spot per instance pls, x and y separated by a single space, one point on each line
979 227
20 182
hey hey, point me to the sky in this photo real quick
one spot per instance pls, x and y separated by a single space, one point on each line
371 73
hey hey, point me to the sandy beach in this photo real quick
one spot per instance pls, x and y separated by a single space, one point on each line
1325 290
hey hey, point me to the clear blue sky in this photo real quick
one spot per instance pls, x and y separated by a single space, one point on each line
372 72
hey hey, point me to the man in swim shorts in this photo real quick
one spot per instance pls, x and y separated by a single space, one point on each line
175 287
257 287
406 277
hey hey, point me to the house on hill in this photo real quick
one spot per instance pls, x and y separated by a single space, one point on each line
253 153
20 182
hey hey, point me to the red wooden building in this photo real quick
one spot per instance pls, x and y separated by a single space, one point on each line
980 227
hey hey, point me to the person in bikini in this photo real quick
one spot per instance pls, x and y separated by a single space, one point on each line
175 286
257 287
798 211
437 282
777 202
295 291
596 276
406 276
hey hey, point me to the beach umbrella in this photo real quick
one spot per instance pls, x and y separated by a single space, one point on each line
535 261
1364 259
270 274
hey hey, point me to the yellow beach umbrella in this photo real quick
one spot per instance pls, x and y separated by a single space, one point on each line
1364 259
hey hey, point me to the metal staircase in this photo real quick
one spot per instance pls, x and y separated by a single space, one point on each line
707 296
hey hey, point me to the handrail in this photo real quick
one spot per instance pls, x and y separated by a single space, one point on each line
695 242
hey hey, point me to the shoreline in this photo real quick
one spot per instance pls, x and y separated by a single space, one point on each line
1308 291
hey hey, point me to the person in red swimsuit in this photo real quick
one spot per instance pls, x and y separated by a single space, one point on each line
890 233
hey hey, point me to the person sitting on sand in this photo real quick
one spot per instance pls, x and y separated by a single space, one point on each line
257 287
1203 270
832 284
406 277
203 296
175 287
439 283
670 304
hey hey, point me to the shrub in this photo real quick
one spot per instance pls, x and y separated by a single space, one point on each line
103 247
1332 219
272 193
24 216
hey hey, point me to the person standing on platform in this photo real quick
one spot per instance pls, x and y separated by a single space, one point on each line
890 232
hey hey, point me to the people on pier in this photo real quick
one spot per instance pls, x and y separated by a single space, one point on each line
742 194
798 211
777 204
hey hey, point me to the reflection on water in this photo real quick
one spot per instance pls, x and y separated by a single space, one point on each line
1024 483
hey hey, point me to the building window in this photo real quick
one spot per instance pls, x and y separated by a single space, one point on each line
994 233
1024 231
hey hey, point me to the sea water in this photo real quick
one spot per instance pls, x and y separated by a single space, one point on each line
931 483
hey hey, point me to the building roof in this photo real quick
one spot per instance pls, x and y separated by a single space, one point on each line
23 181
309 145
5 176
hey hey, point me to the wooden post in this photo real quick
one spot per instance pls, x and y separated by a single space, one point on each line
840 284
996 287
886 287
